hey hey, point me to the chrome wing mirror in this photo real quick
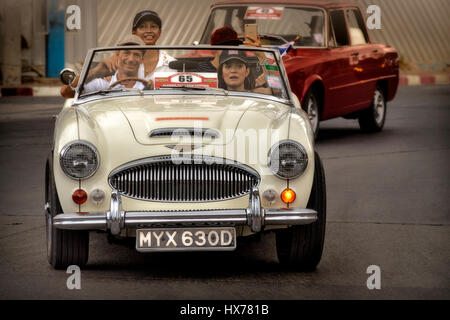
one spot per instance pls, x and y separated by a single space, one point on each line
67 77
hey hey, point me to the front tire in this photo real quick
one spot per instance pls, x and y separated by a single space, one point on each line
300 247
64 247
373 118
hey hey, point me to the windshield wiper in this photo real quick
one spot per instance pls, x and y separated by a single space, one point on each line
105 91
188 87
184 87
102 92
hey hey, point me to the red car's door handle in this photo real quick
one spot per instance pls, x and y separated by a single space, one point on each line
375 51
355 53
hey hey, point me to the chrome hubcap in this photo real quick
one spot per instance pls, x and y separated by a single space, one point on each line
312 113
378 107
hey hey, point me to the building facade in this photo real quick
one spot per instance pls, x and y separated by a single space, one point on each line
58 34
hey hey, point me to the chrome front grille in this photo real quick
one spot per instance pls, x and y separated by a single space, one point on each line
187 179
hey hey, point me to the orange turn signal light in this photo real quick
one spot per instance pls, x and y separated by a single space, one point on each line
288 196
79 196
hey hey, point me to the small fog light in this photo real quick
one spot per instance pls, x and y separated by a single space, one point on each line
270 195
288 196
97 196
79 196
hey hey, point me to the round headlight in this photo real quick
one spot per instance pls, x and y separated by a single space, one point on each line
79 159
288 159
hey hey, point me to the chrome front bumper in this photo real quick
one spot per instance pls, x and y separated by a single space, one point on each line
116 219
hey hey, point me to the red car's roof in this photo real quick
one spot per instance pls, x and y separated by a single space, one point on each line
318 3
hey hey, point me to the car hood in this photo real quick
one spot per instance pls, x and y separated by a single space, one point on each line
163 120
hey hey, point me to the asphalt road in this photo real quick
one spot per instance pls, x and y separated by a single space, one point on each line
387 206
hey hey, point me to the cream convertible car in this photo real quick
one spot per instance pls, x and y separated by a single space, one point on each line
211 147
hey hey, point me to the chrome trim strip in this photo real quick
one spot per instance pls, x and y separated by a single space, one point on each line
230 216
83 74
169 92
184 131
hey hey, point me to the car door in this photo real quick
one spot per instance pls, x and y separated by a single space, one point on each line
365 59
339 76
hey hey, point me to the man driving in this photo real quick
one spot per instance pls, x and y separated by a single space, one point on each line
128 64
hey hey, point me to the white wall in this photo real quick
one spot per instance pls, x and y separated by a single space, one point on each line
182 20
77 43
11 64
418 29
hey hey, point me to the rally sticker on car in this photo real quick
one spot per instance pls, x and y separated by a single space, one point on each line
274 82
271 67
180 79
267 13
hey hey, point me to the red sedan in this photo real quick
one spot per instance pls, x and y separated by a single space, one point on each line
333 67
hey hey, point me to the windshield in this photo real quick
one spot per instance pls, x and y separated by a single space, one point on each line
273 22
225 71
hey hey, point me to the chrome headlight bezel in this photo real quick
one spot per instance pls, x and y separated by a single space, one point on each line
67 148
273 151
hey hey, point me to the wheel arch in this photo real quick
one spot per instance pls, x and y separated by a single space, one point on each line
316 84
383 84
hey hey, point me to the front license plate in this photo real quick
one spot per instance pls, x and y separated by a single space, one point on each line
186 239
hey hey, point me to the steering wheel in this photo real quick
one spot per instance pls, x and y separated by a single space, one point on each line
147 84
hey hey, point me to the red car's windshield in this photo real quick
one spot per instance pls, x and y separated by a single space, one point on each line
276 24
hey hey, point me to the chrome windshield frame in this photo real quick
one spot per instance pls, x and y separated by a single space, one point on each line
79 99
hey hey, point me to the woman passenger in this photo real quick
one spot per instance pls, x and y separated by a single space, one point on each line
235 74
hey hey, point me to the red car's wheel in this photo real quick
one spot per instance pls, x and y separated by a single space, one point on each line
311 107
373 118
